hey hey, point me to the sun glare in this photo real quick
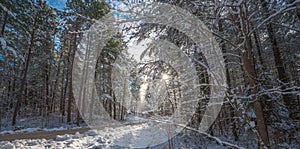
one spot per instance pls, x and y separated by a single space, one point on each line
165 77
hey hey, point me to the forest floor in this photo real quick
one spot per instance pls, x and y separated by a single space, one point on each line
53 134
40 134
115 137
136 132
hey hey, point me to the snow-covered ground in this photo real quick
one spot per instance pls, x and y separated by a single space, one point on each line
141 134
107 138
38 123
26 130
135 132
90 139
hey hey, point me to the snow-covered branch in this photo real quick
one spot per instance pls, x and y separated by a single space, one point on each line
289 7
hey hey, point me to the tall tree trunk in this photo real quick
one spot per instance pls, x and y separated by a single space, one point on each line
70 98
249 65
47 79
83 85
55 85
282 75
258 47
72 51
4 23
91 106
23 81
65 82
228 81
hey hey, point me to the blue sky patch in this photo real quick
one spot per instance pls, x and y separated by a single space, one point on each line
58 4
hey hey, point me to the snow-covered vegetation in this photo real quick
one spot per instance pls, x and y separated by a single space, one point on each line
166 74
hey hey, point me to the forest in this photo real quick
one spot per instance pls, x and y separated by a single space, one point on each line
45 77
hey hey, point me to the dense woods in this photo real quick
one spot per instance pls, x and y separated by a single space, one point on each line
258 38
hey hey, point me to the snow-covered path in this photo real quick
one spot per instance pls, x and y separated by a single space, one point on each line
89 139
128 136
40 134
106 137
137 134
48 134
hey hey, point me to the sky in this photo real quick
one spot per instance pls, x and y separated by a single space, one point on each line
61 4
58 4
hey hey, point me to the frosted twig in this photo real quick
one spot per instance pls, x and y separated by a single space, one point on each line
287 8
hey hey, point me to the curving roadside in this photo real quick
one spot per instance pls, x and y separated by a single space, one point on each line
40 134
53 134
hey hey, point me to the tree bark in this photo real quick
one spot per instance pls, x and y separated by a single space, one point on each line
258 47
282 74
4 23
228 81
249 65
24 78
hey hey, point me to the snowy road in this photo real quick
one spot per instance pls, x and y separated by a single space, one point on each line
128 135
